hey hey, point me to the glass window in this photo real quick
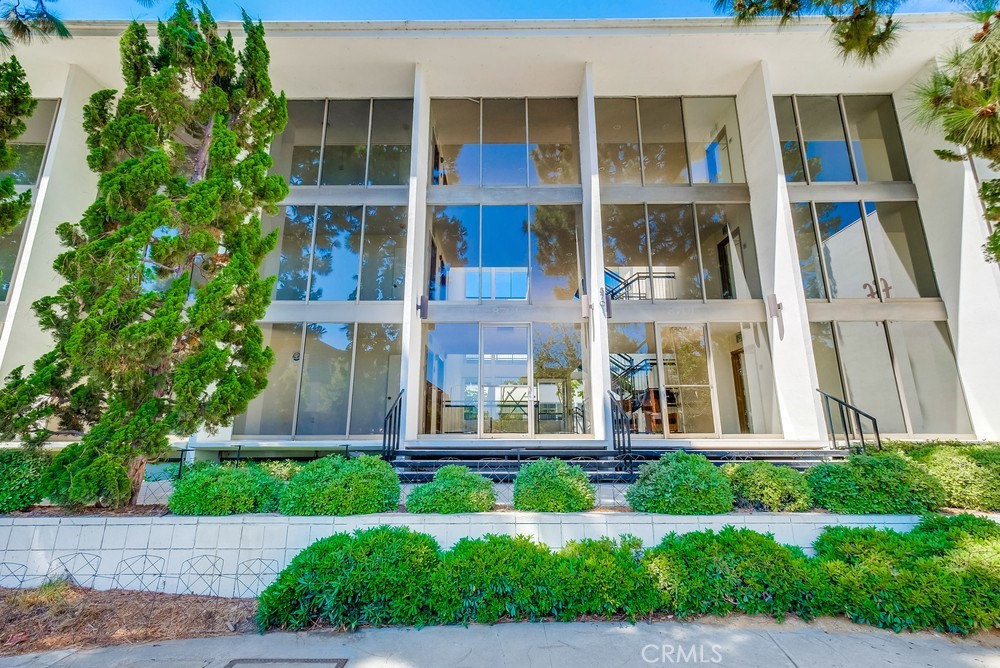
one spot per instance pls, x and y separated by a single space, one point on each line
383 261
451 375
805 241
377 354
505 143
871 384
828 371
664 156
618 155
635 375
878 146
900 250
728 252
929 378
555 252
845 250
326 379
826 144
713 138
553 144
626 252
560 379
687 394
336 255
10 244
345 153
674 251
295 245
392 129
788 140
456 139
30 146
506 394
454 269
505 252
296 150
271 412
744 379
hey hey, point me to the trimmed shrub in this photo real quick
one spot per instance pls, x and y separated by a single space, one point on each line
764 486
604 577
337 486
225 490
455 489
970 474
104 482
681 484
889 483
735 570
283 469
553 486
21 472
378 576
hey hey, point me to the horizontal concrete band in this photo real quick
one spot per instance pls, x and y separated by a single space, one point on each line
240 555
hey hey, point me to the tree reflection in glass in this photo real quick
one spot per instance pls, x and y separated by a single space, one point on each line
555 243
626 256
553 142
295 246
674 251
335 260
389 154
383 261
618 154
454 257
376 376
326 378
560 380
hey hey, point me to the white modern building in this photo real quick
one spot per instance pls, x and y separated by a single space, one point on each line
513 220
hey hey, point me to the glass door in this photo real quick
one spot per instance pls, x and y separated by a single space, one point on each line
688 403
508 400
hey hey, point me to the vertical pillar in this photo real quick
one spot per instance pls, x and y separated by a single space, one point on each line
600 372
65 189
795 378
416 260
955 227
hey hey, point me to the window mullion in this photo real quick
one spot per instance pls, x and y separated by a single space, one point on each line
797 121
350 381
301 378
819 251
368 148
847 137
322 141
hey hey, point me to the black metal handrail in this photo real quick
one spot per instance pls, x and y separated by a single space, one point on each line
390 429
625 285
850 418
621 433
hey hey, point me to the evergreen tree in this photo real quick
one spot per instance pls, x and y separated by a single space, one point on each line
16 105
154 327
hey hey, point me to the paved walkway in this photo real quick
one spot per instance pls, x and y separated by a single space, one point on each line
746 644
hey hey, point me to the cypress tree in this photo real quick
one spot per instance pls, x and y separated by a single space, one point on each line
154 327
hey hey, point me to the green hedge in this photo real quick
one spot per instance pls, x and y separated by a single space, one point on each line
553 486
681 484
455 489
890 483
337 486
944 575
21 472
225 490
970 474
764 486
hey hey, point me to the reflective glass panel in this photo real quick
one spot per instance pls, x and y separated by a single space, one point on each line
560 379
744 379
845 250
788 140
10 244
455 137
335 259
626 251
687 395
383 261
271 412
505 143
454 268
555 243
376 376
451 375
345 153
878 146
635 375
664 159
871 384
618 156
295 245
392 129
728 252
805 241
553 145
826 144
900 249
296 150
326 379
506 394
713 138
828 371
674 250
505 252
30 146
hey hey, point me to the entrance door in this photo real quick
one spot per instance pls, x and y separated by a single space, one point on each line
508 402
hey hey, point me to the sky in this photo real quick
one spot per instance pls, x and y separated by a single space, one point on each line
382 10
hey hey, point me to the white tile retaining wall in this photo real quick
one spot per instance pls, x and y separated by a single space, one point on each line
227 550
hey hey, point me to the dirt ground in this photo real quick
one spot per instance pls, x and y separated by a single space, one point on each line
63 511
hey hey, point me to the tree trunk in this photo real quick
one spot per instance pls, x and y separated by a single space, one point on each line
136 473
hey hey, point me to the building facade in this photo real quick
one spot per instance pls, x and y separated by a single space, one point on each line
514 224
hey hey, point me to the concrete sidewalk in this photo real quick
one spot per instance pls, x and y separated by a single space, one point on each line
746 644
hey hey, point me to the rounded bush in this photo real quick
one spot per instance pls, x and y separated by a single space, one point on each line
282 469
681 484
764 486
455 489
337 486
104 482
865 484
225 490
970 475
553 486
379 576
21 472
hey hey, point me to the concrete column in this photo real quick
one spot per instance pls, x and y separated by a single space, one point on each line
600 372
952 216
416 257
795 378
65 189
